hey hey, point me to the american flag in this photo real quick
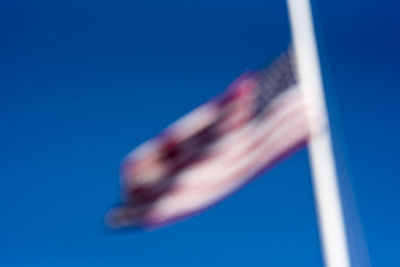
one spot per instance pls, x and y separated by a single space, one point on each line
216 149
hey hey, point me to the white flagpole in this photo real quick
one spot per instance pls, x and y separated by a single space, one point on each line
325 184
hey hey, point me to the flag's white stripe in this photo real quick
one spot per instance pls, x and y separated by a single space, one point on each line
179 204
193 122
229 156
238 143
235 141
255 157
284 137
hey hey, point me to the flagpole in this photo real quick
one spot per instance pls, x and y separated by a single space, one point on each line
328 204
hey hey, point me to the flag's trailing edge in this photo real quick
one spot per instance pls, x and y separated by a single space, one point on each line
214 150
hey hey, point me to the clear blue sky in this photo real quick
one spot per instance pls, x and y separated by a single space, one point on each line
83 82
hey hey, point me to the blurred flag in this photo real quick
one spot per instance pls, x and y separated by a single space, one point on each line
214 150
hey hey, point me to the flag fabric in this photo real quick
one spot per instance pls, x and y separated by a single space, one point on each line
214 150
